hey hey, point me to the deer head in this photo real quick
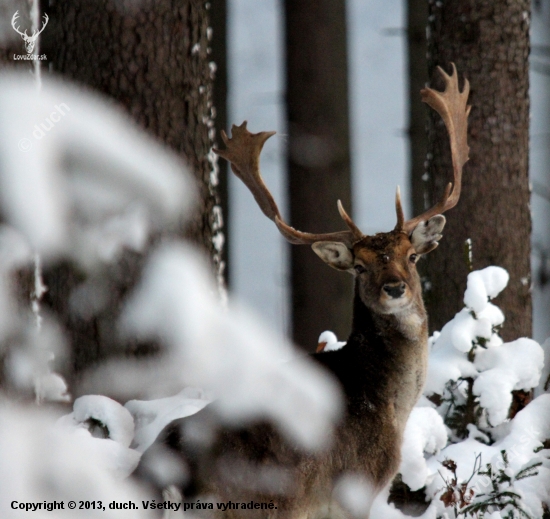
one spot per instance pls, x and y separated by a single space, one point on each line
30 41
384 264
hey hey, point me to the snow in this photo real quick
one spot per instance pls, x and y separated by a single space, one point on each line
29 360
226 351
93 186
151 417
464 454
512 366
84 191
491 313
40 461
469 347
51 387
355 494
67 190
113 453
446 362
466 329
498 369
484 284
329 342
115 417
424 432
529 429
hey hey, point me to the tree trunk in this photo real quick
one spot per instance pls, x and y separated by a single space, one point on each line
318 161
218 18
153 58
417 19
488 40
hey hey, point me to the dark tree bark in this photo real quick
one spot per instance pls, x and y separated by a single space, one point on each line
489 42
417 19
319 162
154 59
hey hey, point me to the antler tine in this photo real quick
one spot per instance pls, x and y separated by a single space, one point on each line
243 152
399 211
451 105
355 231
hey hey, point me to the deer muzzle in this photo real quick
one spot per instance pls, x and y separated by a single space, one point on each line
395 290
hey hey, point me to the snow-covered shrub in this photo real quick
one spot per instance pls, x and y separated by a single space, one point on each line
42 462
91 188
491 465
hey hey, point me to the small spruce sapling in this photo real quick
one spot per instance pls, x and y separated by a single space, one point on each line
472 376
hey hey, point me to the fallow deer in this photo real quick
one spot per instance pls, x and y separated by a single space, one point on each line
383 365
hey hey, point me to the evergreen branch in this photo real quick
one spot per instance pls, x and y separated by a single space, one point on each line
523 473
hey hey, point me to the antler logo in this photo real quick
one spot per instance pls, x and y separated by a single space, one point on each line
29 40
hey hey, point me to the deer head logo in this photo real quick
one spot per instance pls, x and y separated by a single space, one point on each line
29 40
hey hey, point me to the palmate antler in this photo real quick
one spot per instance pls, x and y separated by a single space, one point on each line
451 105
244 148
243 152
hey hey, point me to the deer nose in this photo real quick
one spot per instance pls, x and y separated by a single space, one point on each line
395 290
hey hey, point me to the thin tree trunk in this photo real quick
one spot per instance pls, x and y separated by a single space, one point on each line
218 18
417 20
489 42
319 161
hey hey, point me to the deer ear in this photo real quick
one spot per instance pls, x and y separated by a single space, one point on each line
426 235
334 254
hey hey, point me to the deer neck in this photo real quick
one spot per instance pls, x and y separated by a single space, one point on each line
394 351
409 325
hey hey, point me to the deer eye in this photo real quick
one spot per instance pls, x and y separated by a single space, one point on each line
359 269
413 258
